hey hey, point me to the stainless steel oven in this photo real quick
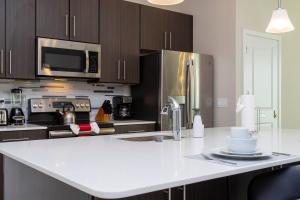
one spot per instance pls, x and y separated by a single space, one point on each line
59 58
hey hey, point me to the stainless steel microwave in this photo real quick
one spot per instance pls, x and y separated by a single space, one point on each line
59 58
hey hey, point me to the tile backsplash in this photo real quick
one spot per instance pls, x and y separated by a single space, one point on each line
70 89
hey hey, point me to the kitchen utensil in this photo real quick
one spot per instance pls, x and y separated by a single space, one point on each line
207 157
68 114
218 152
17 116
122 107
16 97
227 151
240 132
3 117
104 112
241 145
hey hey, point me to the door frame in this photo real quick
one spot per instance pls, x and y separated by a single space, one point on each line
278 38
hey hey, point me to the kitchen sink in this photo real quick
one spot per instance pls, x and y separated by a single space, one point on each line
157 138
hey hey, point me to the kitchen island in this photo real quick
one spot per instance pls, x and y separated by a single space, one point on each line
109 168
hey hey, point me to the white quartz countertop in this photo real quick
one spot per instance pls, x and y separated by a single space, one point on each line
131 122
24 127
109 168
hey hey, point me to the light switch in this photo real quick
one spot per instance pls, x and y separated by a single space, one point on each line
222 103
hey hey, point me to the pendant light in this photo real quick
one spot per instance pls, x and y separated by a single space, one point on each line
280 21
165 2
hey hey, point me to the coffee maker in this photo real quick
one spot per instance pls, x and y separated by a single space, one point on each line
122 107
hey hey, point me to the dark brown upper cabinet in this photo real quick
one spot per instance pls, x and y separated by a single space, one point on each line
130 42
119 38
153 35
52 19
84 20
76 20
180 32
162 29
2 38
110 28
18 52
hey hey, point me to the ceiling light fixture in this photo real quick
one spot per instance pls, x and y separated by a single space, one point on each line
280 21
165 2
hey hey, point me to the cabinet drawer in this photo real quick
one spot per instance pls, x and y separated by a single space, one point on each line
138 128
14 136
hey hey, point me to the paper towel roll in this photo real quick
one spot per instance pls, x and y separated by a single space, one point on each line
246 106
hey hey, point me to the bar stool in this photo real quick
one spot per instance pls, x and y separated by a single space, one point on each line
276 185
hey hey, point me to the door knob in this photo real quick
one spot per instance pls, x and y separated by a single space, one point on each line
275 115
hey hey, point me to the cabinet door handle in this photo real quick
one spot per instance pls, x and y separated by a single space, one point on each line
10 55
165 40
74 26
67 25
119 69
124 66
14 140
184 192
137 131
2 61
170 40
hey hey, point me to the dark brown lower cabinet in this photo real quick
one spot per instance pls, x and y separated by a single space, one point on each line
160 195
14 136
138 128
208 190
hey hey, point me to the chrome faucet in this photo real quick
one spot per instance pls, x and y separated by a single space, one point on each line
175 114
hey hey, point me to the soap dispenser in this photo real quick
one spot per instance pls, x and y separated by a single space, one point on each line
198 127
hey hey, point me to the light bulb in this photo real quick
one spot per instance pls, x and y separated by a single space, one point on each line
165 2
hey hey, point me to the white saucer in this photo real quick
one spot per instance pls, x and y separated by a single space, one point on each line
229 152
219 152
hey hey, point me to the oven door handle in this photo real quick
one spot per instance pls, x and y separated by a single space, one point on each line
87 61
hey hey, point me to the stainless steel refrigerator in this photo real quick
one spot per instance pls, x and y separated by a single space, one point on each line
187 77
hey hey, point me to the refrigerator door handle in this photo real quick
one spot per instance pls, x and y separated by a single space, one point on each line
188 95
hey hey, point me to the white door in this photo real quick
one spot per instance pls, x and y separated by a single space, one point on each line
262 76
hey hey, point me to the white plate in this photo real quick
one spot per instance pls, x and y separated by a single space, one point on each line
218 152
227 151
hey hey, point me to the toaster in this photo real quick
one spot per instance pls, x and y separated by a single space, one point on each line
3 117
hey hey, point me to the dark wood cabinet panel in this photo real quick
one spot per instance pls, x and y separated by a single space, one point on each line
84 20
180 32
160 195
162 29
153 31
20 39
2 38
204 190
52 19
130 43
139 128
110 40
13 136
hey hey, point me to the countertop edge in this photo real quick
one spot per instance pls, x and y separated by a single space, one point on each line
153 188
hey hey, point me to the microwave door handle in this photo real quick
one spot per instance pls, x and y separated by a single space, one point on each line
87 61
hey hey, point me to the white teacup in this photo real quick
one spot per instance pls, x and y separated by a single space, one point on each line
240 132
241 145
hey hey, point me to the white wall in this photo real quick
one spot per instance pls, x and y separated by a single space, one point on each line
214 33
291 69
